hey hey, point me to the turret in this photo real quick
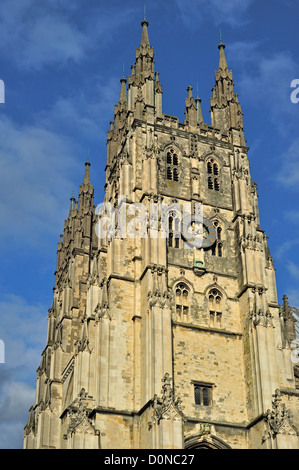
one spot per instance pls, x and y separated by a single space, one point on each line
226 113
78 227
143 85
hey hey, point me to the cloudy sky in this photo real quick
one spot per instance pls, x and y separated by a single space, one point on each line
61 63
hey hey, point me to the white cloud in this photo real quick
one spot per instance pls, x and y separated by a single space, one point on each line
264 81
37 168
52 39
292 216
16 399
293 297
289 171
35 34
264 84
230 12
284 247
23 328
86 112
293 269
45 35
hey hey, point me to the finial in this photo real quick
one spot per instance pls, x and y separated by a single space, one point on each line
87 163
123 70
144 21
72 199
221 44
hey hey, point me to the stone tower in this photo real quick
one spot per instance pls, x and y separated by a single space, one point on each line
154 341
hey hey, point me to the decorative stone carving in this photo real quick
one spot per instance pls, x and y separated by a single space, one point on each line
167 406
278 419
79 416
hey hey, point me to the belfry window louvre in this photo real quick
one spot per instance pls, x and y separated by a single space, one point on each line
217 248
213 173
172 161
174 234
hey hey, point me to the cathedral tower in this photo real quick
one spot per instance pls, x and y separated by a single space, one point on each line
156 341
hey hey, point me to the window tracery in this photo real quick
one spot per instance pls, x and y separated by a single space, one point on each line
215 308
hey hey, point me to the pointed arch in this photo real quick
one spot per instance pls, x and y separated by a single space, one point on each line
215 286
182 298
185 281
205 442
213 167
214 156
217 247
172 156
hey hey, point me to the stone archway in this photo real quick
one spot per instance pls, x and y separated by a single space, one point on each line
205 443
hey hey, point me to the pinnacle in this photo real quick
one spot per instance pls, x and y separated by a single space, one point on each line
123 91
222 58
144 37
87 175
72 206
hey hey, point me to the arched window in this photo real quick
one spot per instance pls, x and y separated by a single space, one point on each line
217 247
215 308
182 300
213 173
172 171
174 230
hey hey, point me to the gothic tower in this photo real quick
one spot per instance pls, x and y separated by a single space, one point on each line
156 341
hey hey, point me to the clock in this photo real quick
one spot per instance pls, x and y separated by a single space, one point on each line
198 233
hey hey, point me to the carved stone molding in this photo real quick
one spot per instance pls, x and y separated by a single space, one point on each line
278 419
167 406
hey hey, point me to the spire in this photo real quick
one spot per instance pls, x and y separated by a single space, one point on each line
86 193
144 36
198 110
222 59
190 108
286 309
123 92
198 107
141 82
226 113
288 319
72 205
87 175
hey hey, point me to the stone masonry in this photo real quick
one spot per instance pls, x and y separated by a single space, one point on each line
151 343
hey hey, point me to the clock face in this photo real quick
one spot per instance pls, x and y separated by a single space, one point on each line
198 230
198 234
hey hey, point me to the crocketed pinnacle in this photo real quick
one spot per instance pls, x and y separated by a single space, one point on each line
144 36
222 58
87 175
72 205
123 92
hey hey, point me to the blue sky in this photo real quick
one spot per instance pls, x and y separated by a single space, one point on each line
61 63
